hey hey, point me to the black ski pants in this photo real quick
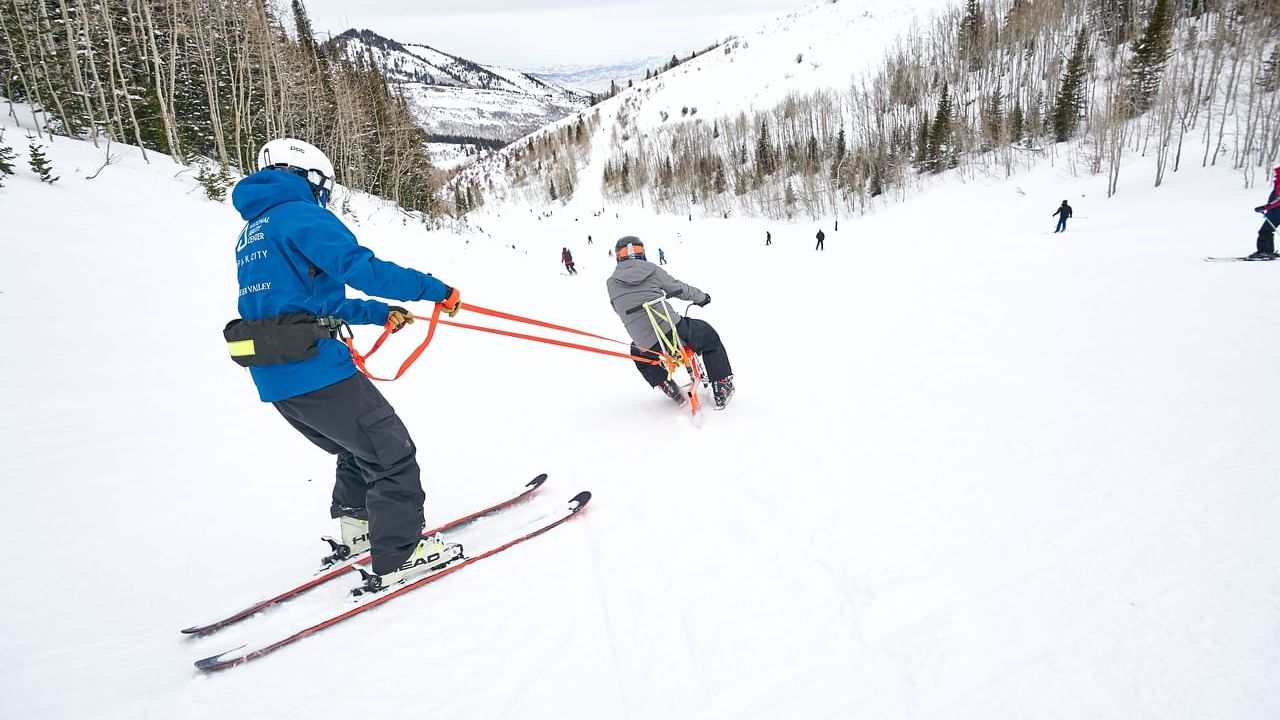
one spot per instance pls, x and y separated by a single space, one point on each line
700 337
377 475
1267 233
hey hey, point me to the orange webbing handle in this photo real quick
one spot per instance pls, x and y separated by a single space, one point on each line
386 332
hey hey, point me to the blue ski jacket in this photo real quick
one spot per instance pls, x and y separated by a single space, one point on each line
295 256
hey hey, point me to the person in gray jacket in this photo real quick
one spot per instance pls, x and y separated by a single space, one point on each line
636 281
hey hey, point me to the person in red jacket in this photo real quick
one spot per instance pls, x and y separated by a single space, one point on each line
566 257
1270 211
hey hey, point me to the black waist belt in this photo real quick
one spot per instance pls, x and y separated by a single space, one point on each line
278 339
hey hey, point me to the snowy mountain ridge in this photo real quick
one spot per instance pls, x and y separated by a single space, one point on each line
454 96
598 78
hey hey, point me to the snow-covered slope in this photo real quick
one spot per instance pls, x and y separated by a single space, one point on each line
455 96
978 473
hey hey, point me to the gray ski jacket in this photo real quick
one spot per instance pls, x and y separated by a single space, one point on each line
635 282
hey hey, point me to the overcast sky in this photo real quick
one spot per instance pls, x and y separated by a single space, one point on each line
530 33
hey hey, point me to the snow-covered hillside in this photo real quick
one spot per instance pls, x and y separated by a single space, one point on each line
454 96
978 471
819 46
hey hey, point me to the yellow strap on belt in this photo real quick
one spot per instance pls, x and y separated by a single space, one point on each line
240 348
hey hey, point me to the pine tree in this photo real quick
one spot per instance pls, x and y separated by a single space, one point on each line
1017 122
940 155
993 118
838 160
1150 52
6 162
39 162
215 182
971 35
1070 100
765 164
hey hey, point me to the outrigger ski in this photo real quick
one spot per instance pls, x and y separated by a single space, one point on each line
340 568
369 600
1245 258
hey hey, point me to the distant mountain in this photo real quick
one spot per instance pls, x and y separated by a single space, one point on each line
453 96
596 78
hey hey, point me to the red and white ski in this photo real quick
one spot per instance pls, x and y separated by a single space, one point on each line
341 568
369 601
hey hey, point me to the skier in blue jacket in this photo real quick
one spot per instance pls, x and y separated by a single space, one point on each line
294 260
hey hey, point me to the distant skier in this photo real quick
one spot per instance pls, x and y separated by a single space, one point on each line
1271 213
821 236
1062 213
566 257
768 238
636 281
588 239
294 261
662 257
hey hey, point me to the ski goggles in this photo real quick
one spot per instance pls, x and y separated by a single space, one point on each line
321 185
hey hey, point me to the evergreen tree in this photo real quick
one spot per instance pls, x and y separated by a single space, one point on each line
39 162
1017 122
940 155
1070 99
1150 52
993 118
838 160
971 25
6 162
215 182
765 164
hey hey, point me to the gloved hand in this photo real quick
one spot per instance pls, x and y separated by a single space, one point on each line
705 301
452 301
398 318
1261 209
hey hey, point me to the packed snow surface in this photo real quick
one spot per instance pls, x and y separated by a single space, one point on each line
974 470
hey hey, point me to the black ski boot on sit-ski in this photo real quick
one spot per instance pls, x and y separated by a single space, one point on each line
673 391
722 389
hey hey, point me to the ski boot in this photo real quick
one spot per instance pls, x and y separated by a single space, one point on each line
432 554
355 540
722 390
673 391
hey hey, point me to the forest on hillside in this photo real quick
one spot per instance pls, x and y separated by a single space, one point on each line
989 87
208 82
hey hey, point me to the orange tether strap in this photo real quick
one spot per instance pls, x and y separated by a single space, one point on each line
435 320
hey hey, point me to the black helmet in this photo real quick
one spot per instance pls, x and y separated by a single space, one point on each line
628 247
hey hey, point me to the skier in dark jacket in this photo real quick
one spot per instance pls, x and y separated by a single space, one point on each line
294 260
1062 213
1271 213
566 257
821 237
636 281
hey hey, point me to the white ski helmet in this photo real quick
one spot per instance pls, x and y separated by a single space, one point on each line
300 158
